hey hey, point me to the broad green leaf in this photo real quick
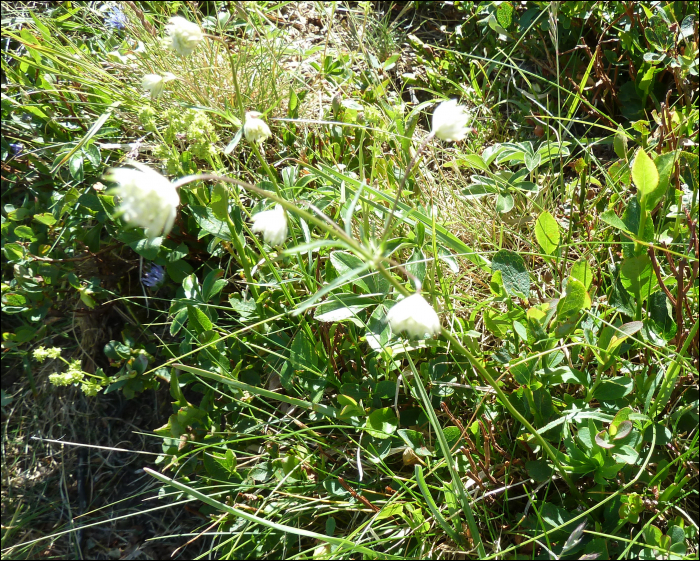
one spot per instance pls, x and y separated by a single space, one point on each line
302 354
644 174
547 233
504 203
609 217
637 276
45 218
208 221
516 279
199 321
340 307
614 388
382 423
219 201
416 266
213 284
573 301
582 271
446 256
539 470
664 164
344 263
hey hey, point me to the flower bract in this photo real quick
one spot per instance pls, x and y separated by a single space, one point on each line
184 35
147 198
450 121
414 316
255 129
272 224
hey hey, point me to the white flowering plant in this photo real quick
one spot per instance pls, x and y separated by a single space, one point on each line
326 276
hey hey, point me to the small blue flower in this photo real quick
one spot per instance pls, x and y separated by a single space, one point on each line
117 19
154 276
16 148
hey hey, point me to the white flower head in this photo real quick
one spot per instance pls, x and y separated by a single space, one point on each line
255 129
450 121
272 224
414 316
184 35
155 83
147 198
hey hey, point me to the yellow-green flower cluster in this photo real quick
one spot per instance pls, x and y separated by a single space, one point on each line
73 375
90 388
41 353
189 129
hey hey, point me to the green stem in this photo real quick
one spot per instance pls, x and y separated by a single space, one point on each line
406 173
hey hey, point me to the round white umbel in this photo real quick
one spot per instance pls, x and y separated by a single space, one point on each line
184 36
147 199
414 316
450 121
272 224
255 129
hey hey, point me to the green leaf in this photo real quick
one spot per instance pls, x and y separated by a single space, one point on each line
446 256
25 232
340 307
573 301
213 284
416 266
199 321
547 232
302 354
219 201
614 388
644 174
620 143
664 164
504 203
344 263
75 166
516 279
609 217
539 470
637 276
582 271
208 221
382 423
45 218
504 15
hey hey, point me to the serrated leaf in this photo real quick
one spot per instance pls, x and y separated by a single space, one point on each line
547 233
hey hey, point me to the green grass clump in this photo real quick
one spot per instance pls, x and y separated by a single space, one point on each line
268 404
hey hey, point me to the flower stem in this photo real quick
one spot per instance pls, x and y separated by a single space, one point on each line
406 173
